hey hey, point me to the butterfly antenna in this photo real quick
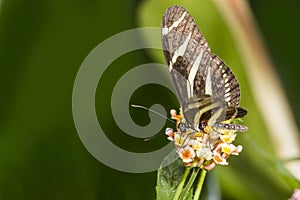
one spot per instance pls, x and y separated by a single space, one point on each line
150 138
153 111
157 113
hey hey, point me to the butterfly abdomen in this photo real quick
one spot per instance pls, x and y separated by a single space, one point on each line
235 127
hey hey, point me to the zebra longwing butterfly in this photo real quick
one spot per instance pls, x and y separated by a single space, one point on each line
206 88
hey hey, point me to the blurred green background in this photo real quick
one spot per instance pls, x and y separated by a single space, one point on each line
42 45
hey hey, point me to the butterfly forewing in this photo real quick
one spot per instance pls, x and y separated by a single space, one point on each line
184 49
206 88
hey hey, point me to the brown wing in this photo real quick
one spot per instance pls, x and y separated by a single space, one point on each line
188 54
195 71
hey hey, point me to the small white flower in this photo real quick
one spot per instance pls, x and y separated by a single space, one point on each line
237 150
227 148
196 144
205 153
173 112
219 159
181 141
187 154
228 138
169 132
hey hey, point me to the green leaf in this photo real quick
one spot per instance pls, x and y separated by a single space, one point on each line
169 177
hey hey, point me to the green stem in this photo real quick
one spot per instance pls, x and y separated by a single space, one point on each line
181 183
190 183
200 184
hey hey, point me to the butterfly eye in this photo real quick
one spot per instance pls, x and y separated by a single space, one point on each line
202 126
182 128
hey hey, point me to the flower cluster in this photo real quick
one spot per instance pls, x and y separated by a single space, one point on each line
204 148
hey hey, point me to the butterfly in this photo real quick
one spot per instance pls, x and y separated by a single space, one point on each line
206 88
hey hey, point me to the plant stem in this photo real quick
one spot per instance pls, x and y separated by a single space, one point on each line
181 183
200 184
190 183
